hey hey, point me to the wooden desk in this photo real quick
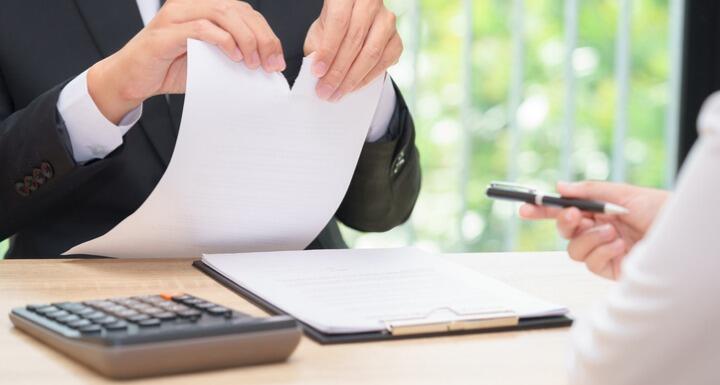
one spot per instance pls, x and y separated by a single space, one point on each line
523 358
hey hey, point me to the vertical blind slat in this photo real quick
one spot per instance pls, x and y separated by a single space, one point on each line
622 84
570 25
514 99
672 121
415 44
466 118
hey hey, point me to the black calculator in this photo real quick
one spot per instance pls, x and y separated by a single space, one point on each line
151 335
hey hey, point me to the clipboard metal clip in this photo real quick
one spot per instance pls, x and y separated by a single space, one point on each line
487 319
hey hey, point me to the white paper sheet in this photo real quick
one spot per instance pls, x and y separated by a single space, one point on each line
257 166
354 291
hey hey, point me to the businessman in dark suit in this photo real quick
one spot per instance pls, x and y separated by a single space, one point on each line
87 128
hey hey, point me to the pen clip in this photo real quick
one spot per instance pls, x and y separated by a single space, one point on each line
512 186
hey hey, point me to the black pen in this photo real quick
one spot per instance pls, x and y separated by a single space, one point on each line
508 191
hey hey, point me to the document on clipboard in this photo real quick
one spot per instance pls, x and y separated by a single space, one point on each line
392 291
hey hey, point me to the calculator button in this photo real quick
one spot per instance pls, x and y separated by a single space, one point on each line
68 318
57 314
154 299
176 308
166 305
107 320
142 307
35 307
82 311
116 308
117 299
70 306
169 297
130 303
97 315
152 311
219 311
190 313
138 318
165 316
126 313
147 298
47 309
123 301
90 329
104 305
79 323
119 325
73 306
126 301
181 297
150 322
192 301
204 305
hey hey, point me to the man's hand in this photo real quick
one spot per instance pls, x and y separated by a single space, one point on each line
601 241
154 61
355 41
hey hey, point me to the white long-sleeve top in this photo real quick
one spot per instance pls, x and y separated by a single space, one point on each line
92 136
660 325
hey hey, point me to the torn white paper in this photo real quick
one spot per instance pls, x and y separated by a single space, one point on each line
257 166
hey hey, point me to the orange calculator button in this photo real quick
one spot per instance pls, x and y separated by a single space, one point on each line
168 296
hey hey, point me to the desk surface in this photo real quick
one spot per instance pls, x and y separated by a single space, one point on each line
529 357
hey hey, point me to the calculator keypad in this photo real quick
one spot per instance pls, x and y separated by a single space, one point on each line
137 313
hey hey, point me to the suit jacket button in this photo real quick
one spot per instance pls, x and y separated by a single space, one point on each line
46 170
38 176
22 189
30 183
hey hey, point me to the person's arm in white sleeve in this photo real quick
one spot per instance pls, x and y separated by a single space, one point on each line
659 325
92 136
383 113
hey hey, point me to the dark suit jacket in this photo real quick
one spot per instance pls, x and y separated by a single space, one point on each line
48 203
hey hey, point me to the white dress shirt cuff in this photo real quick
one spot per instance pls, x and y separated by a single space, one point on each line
383 113
91 135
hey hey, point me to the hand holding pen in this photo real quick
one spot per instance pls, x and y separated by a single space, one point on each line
601 240
513 192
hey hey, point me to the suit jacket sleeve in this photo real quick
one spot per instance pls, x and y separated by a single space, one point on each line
37 168
386 182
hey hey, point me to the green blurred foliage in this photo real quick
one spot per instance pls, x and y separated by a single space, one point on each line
3 248
461 156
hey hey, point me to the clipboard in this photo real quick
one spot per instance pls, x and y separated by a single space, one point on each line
499 320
